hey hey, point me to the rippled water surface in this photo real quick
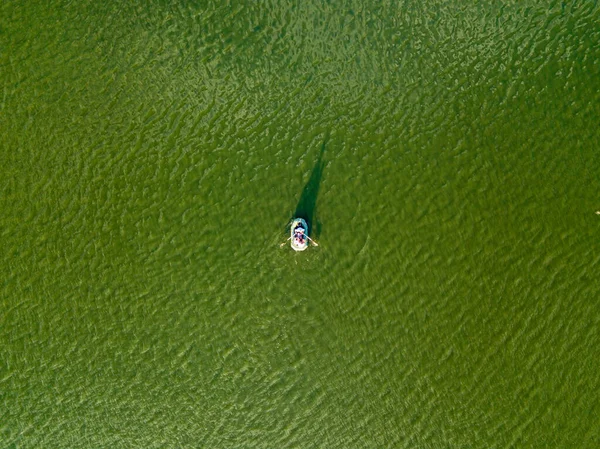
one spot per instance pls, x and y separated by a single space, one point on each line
445 153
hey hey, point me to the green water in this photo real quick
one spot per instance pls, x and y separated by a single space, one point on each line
152 155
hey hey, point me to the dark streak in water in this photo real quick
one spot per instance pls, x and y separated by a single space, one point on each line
308 200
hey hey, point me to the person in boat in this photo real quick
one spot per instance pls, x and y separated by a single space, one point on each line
299 236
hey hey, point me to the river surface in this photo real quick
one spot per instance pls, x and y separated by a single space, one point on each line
446 155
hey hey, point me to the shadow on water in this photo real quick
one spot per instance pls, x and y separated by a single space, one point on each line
308 200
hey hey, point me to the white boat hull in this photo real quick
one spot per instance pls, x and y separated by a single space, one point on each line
299 223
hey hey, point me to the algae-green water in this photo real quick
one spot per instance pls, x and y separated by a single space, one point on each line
446 154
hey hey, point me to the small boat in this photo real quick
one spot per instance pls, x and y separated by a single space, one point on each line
299 234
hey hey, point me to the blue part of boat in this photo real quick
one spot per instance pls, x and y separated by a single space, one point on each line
299 234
